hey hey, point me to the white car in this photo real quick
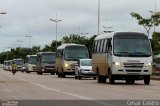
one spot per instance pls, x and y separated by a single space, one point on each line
83 68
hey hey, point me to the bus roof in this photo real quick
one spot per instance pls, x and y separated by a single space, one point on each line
110 35
31 55
40 53
17 59
70 44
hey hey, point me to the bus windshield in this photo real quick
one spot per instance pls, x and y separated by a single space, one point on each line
131 46
7 63
19 62
74 53
48 58
32 60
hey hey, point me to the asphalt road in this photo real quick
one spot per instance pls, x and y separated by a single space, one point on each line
46 90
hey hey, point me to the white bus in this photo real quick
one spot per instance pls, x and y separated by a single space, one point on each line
6 65
30 63
67 56
122 56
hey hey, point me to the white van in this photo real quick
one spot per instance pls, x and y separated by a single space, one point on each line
84 69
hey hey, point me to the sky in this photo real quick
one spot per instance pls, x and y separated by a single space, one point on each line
31 18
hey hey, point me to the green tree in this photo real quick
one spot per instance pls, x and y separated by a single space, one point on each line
52 46
147 23
89 45
75 38
156 43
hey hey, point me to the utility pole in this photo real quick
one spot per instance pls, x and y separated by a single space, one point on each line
98 16
56 21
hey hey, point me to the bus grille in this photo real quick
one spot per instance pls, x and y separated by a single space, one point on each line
133 67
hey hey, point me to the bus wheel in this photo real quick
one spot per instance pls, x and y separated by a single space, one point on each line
127 81
147 80
75 77
52 73
132 81
62 74
111 77
103 79
99 77
59 75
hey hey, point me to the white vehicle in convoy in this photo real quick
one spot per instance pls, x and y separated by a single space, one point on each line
122 56
67 57
84 69
6 65
19 64
30 63
10 65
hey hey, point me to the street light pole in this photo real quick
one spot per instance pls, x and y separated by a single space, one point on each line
56 21
98 16
155 12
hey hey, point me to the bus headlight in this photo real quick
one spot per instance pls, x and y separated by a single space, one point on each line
116 63
147 64
66 65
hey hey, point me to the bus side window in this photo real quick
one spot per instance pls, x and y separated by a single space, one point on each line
39 59
98 46
27 60
58 53
95 47
105 46
102 46
109 45
62 54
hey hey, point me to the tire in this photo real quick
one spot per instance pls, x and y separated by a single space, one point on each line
127 81
63 74
75 77
52 73
59 75
147 80
94 78
27 72
111 77
132 81
79 76
39 73
99 77
103 79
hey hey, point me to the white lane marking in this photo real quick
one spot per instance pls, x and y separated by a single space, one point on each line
56 90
